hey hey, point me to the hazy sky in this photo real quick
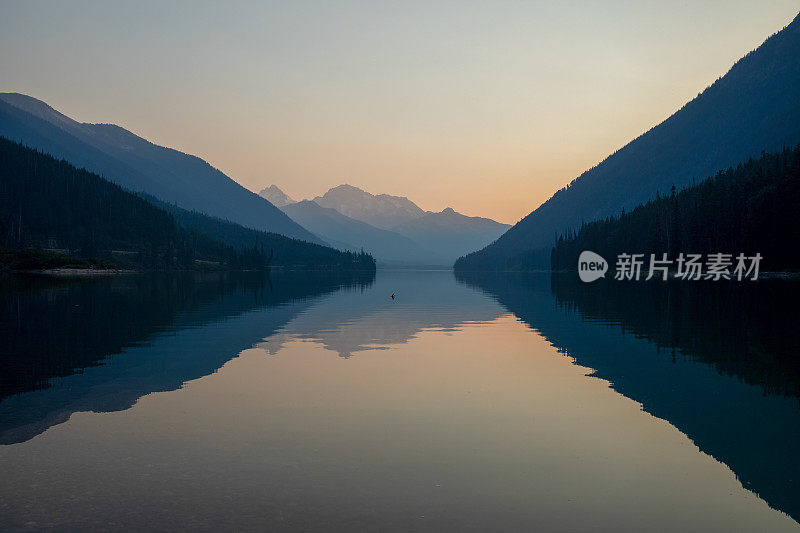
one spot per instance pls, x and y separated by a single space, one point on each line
487 107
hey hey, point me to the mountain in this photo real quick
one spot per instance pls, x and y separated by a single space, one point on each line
382 211
275 196
141 166
755 107
47 203
438 238
388 248
747 210
450 233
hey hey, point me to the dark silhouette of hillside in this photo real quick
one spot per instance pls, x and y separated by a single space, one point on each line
748 209
141 166
754 107
46 203
290 253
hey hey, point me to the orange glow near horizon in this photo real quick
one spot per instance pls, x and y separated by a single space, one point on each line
485 108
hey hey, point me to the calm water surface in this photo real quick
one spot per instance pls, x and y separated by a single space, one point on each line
310 402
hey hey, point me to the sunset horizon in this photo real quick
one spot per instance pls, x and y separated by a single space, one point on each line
345 266
475 114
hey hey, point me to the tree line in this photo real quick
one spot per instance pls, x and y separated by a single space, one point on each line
747 209
47 204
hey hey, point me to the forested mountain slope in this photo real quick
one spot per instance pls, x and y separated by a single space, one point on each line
754 107
47 203
141 166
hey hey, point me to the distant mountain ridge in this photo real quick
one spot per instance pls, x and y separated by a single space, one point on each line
755 107
141 166
275 196
382 211
393 228
450 233
389 248
46 203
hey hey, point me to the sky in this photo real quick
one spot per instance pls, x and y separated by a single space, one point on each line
486 107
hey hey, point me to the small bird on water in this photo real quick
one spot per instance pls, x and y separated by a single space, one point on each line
392 296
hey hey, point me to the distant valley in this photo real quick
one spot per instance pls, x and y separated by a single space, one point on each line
393 228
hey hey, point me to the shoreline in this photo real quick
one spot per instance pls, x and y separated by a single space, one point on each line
89 272
78 272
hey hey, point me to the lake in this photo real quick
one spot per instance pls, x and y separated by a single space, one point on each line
470 402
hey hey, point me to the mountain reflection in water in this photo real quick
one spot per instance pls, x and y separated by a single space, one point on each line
716 361
100 344
719 361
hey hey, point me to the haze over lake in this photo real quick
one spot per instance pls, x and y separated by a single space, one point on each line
400 266
309 401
